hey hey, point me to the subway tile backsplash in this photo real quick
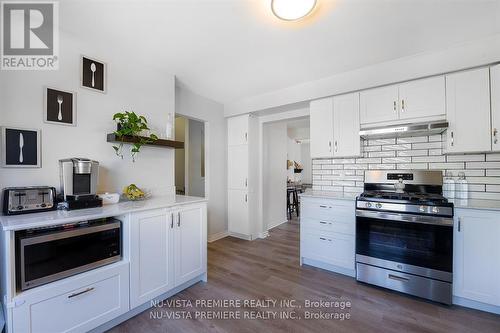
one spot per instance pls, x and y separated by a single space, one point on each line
421 152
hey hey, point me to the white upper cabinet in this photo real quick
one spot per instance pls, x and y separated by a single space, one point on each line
422 98
321 125
346 140
468 111
476 255
237 130
379 105
495 107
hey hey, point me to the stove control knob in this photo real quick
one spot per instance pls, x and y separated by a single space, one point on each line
422 209
435 210
379 205
368 205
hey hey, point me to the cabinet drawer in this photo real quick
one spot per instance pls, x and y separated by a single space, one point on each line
327 209
332 248
340 224
86 306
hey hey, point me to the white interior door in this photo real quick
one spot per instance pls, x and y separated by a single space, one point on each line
238 214
237 130
422 98
495 107
347 141
379 105
151 263
190 243
468 111
237 170
321 126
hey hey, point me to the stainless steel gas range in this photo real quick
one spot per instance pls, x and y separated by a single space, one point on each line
404 234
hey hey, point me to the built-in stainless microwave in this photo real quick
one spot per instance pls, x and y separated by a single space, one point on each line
48 254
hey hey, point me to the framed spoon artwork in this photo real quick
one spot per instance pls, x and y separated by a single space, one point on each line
60 106
20 148
93 74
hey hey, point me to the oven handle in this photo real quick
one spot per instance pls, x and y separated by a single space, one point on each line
69 233
400 217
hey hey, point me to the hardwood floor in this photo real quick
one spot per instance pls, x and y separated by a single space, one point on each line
269 269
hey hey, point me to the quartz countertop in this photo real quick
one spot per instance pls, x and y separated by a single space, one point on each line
476 204
36 220
329 195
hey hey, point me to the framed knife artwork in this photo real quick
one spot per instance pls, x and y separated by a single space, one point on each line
20 148
93 74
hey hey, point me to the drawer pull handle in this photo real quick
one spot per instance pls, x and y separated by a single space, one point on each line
81 292
323 206
323 222
398 278
324 239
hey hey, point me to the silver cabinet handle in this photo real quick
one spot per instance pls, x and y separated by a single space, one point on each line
402 105
246 136
323 222
246 182
178 219
336 146
495 136
395 107
325 239
81 292
397 278
323 206
330 146
246 197
172 221
459 224
452 138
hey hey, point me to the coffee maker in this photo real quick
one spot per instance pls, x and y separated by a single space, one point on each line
79 183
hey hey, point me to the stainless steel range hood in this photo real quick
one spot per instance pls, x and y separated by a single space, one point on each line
404 130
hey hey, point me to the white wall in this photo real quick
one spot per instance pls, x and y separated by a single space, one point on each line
274 173
305 153
131 85
196 143
195 106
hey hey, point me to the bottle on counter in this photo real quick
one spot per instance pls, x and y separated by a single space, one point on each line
462 187
448 186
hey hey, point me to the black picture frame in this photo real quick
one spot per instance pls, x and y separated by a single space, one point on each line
21 148
59 106
93 74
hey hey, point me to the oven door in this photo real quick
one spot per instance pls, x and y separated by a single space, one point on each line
416 244
61 253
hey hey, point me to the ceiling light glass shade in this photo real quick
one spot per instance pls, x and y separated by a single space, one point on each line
291 10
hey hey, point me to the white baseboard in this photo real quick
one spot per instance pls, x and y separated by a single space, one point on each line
217 236
275 225
264 234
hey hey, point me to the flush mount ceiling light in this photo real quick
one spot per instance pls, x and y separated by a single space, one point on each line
291 10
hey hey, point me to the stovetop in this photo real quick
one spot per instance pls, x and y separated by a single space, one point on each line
428 199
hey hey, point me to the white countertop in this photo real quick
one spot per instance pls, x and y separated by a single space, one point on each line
35 220
476 204
329 195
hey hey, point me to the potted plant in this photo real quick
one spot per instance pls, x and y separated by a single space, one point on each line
129 124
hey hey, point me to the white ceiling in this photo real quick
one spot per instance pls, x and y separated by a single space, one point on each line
228 50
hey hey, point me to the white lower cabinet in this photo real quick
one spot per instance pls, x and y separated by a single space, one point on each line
168 248
327 234
76 304
476 264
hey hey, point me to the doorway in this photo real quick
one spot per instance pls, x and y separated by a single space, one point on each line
190 161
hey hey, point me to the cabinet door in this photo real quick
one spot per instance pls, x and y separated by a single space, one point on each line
237 167
321 126
151 265
237 130
468 111
238 218
190 243
495 107
477 256
422 98
346 140
379 105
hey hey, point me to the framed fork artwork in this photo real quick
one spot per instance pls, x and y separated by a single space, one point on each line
59 106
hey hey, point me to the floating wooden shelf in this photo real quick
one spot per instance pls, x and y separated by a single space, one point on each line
112 137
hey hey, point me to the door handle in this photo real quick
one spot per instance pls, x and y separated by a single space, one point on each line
178 219
397 278
81 292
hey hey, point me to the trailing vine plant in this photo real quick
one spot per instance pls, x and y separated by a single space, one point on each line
129 124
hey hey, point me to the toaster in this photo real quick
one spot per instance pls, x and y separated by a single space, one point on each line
33 199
